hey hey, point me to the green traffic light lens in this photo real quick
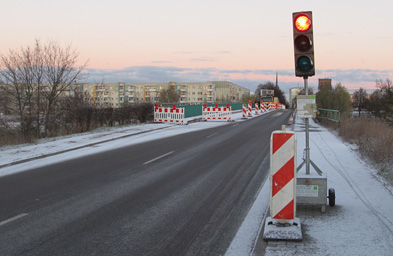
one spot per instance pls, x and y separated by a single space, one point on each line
304 64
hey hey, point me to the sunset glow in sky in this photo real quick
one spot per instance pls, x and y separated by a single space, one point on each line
244 41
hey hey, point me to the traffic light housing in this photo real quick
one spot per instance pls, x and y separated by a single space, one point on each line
303 44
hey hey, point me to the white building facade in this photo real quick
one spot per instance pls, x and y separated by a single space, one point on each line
122 93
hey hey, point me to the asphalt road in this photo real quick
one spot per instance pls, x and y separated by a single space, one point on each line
182 195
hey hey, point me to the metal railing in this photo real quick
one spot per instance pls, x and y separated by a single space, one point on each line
329 114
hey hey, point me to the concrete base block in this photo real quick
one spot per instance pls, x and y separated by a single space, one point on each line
291 231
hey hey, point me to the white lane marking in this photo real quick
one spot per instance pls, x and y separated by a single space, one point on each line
235 125
13 218
155 159
211 135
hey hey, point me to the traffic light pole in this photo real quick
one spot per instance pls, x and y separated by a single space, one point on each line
307 132
307 161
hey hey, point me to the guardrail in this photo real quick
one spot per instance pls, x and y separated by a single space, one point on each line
329 114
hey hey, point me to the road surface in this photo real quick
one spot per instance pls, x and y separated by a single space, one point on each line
182 195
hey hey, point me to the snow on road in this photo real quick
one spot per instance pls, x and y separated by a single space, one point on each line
63 148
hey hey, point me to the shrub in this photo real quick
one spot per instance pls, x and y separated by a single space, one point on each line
374 138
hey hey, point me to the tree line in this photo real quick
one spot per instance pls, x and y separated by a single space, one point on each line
379 103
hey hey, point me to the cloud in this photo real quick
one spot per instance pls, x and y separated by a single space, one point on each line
160 62
249 78
203 59
357 75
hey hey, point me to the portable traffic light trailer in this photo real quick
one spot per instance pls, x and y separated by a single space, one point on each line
311 189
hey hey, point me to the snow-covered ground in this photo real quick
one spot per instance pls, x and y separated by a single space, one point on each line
361 223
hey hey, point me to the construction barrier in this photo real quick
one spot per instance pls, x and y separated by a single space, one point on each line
244 111
169 115
256 108
283 176
249 108
272 106
263 107
217 113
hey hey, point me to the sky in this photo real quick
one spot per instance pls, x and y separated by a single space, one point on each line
243 41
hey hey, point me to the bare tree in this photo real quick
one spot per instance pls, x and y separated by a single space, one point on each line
381 101
169 95
61 71
35 77
21 74
360 99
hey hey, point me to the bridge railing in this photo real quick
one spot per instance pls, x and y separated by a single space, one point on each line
329 114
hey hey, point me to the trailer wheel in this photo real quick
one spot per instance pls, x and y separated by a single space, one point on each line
332 197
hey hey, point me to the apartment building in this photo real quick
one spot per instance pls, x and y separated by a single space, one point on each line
118 94
324 82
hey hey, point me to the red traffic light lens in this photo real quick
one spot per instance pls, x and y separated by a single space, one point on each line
302 22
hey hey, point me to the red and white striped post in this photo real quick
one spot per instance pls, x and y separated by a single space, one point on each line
244 111
263 109
283 176
256 108
249 108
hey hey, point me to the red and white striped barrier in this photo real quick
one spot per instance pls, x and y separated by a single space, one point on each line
244 111
263 107
249 108
169 115
217 113
176 115
272 106
160 114
256 108
283 176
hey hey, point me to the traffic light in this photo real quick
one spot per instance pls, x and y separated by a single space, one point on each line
303 43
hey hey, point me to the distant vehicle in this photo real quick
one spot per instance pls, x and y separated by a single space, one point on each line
270 99
267 99
267 96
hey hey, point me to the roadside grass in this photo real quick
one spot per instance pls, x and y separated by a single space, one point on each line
374 140
9 137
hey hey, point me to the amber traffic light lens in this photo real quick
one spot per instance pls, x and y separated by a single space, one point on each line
303 43
302 23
